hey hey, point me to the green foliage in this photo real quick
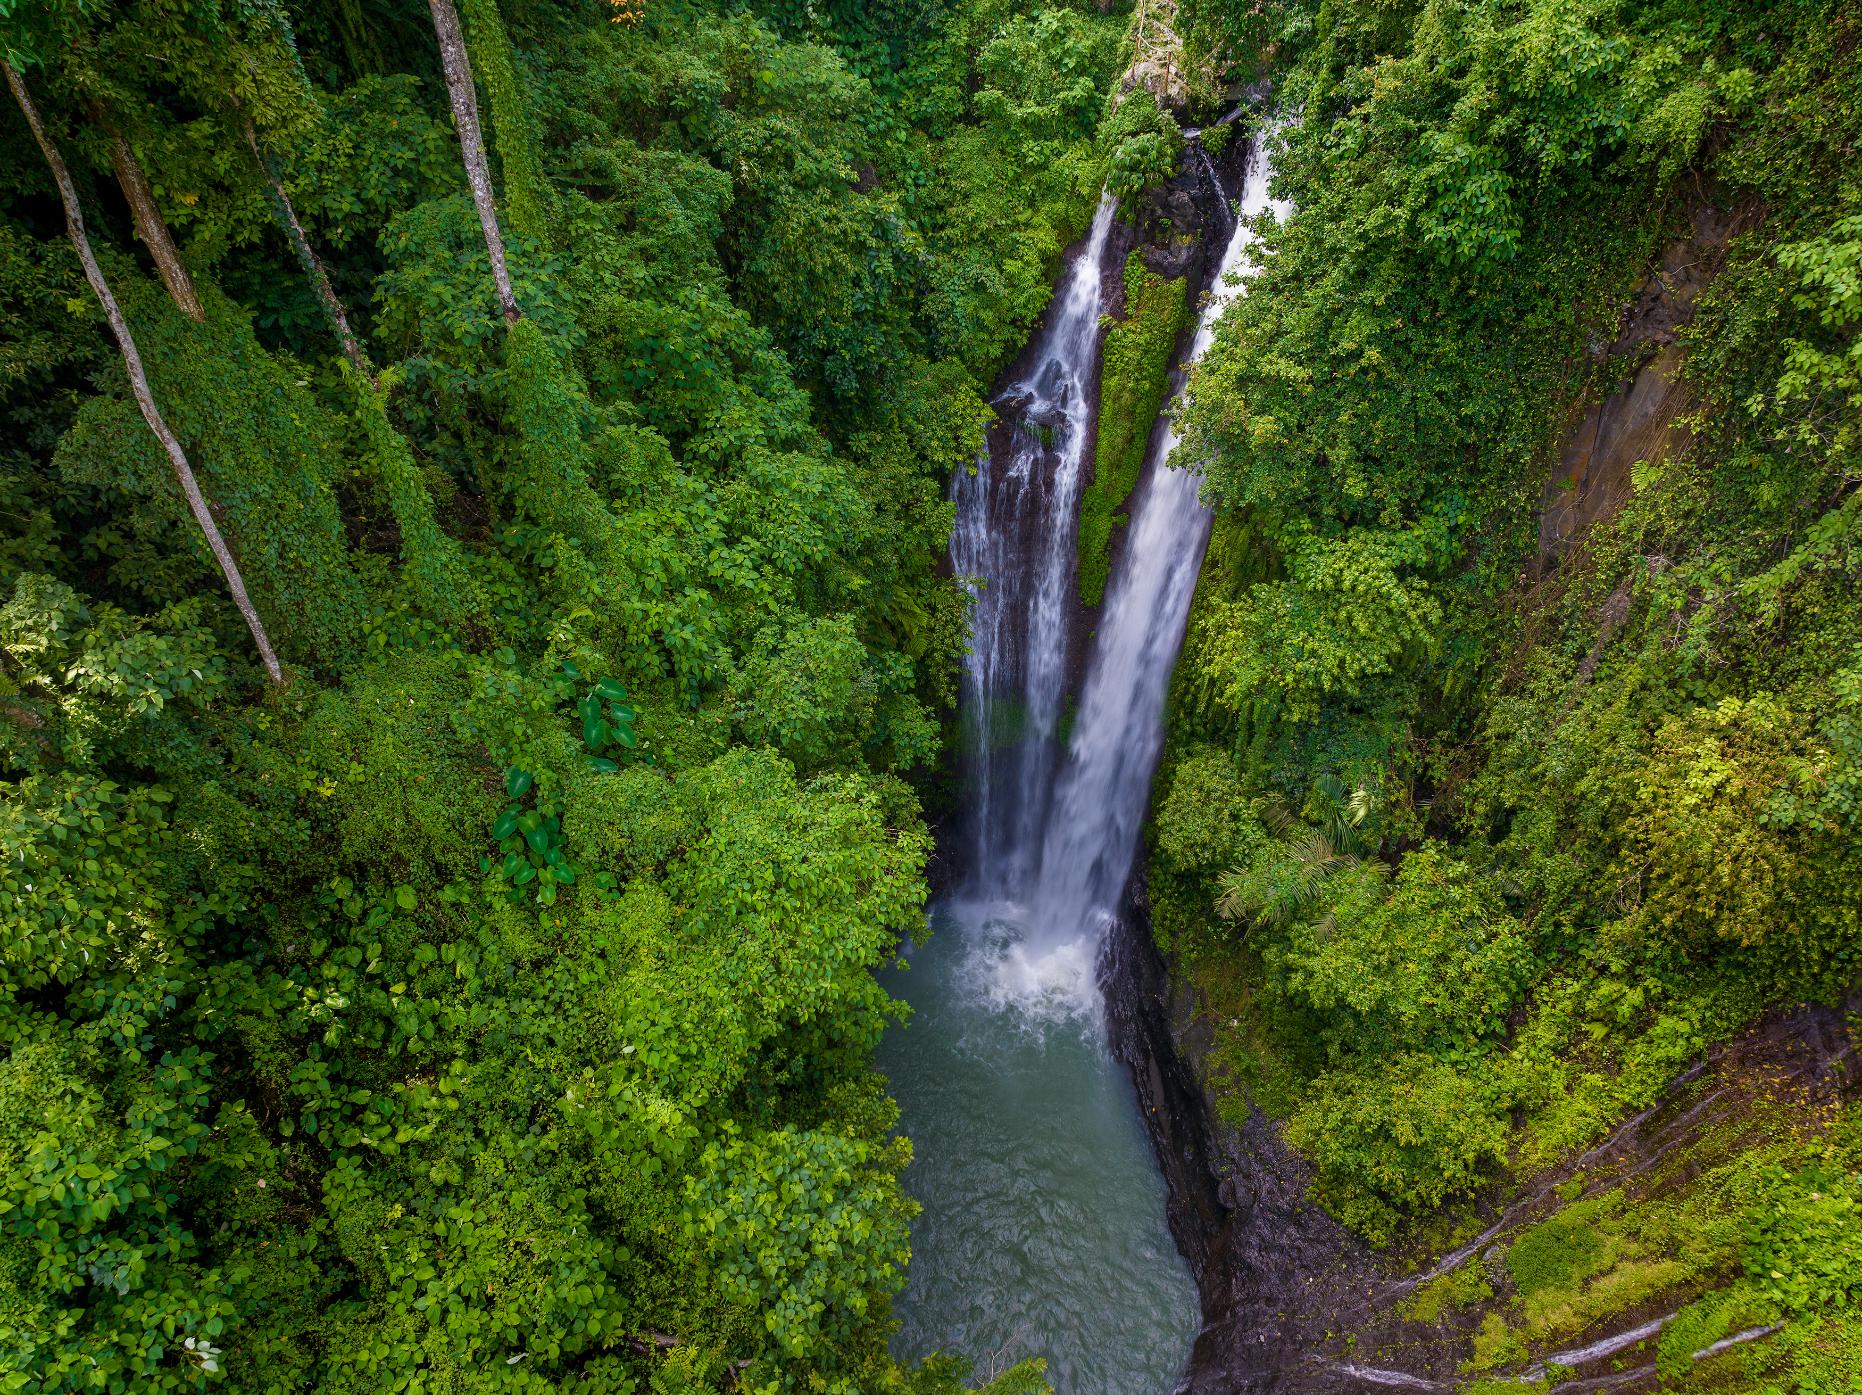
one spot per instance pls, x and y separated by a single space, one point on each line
1202 822
530 842
1143 159
809 1230
1604 782
797 690
85 683
1829 273
1496 1345
1458 1288
1731 813
1559 1252
1400 1137
438 577
112 1295
85 875
1806 1248
1428 959
1345 617
1143 146
527 194
1695 1328
1042 80
268 454
1134 378
489 1008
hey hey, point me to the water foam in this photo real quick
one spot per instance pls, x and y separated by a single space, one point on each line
1042 984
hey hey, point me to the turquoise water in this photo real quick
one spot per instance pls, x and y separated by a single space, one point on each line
1043 1231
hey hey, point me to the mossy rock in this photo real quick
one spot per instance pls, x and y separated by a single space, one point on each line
1133 386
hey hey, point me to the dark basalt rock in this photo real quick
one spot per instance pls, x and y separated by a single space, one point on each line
1277 1276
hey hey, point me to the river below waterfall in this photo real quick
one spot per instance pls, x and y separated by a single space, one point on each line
1044 1230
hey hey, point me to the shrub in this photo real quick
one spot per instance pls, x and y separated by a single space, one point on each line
1398 1137
1428 959
1143 145
1806 1247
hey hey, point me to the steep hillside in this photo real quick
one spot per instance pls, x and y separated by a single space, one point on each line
1510 828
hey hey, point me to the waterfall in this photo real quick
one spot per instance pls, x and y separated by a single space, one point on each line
1013 540
1096 810
1043 1229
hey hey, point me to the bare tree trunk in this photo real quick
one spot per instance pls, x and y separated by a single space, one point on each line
459 87
313 265
151 227
138 380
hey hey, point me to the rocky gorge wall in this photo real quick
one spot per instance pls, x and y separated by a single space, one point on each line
1291 1299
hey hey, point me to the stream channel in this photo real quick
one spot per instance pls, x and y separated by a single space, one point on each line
1044 1228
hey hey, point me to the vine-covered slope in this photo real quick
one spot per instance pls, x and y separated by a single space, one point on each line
1517 749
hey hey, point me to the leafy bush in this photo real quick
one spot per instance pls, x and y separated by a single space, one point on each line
809 1229
1458 1288
1400 1136
1202 822
1143 144
1429 960
1806 1248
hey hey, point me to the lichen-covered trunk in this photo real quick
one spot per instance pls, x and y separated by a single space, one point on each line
151 227
458 68
139 380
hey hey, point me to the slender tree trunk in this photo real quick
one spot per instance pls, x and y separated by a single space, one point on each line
472 145
151 227
138 380
313 265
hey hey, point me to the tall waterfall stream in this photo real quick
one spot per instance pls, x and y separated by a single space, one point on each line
1043 1231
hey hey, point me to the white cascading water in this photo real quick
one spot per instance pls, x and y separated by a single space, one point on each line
1014 535
1054 881
1099 803
1043 1230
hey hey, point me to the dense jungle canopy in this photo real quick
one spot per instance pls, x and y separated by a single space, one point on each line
476 649
484 1002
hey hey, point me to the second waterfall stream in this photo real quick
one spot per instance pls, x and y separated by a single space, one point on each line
1043 1231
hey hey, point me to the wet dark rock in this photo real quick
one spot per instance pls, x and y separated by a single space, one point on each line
1278 1277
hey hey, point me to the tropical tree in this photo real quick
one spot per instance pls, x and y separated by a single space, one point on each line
138 379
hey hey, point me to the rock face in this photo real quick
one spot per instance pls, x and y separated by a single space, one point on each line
1641 419
1279 1278
1157 55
